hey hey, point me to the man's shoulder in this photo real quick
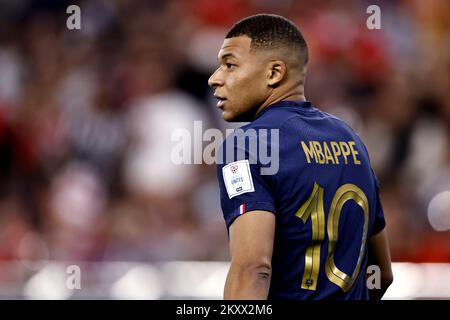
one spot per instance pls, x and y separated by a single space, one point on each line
337 121
249 142
254 129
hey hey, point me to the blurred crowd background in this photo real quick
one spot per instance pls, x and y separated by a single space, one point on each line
86 118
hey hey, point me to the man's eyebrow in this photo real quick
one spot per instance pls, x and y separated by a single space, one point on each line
225 56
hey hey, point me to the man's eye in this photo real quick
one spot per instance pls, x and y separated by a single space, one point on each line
230 65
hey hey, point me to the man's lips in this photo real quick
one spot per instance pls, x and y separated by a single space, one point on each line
221 101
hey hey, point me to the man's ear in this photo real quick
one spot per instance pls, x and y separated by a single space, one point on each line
276 72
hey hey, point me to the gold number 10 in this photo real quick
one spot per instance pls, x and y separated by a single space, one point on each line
314 207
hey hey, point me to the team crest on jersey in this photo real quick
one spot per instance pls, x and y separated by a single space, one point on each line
238 178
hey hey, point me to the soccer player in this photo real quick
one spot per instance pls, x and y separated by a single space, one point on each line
307 226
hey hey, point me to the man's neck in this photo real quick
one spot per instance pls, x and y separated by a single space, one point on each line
289 96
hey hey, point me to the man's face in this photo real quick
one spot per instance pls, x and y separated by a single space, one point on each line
240 81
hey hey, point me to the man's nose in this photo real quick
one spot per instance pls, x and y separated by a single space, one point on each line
214 81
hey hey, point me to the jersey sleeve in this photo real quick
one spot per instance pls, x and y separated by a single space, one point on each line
379 222
243 187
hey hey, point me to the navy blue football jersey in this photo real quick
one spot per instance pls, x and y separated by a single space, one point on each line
312 171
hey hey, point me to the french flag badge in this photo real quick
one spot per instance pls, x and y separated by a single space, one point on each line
242 208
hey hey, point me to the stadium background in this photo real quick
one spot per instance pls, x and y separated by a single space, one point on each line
86 118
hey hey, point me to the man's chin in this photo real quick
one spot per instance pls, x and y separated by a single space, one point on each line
228 117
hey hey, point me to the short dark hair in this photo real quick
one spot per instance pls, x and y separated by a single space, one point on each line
270 31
